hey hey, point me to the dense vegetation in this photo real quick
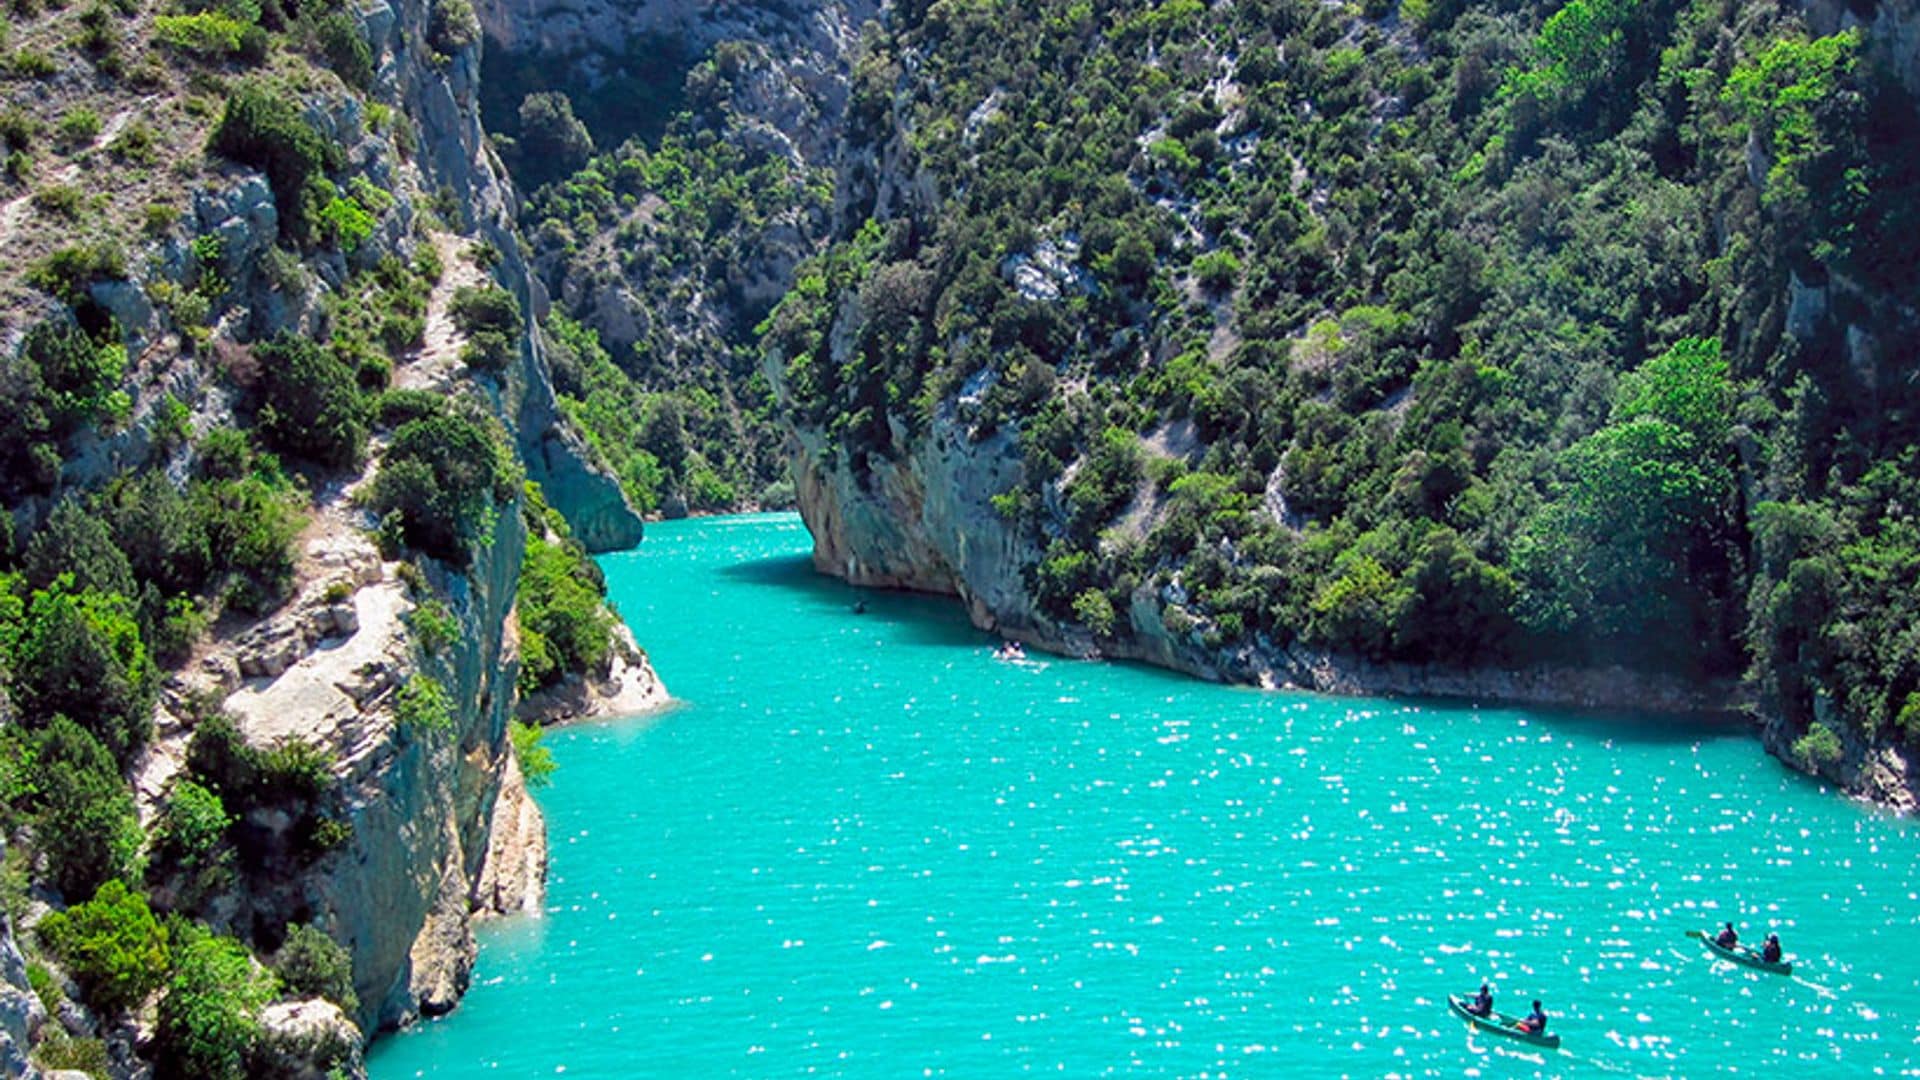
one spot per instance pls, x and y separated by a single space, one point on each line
1423 332
663 256
186 369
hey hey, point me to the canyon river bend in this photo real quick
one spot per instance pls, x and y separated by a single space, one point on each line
863 847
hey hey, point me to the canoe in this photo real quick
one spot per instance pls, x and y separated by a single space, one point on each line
1501 1024
1740 954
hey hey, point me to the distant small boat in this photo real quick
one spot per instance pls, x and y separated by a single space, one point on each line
1740 954
1501 1024
1010 650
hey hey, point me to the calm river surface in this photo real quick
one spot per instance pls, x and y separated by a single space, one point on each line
863 847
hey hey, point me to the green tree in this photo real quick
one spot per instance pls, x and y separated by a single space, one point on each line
536 760
112 946
82 656
77 543
443 476
559 601
312 964
154 523
262 127
209 1019
1632 550
191 836
85 826
81 378
311 402
552 142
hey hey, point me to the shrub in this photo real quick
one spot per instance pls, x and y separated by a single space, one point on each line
111 945
442 476
397 407
80 378
78 546
209 1019
251 523
559 601
32 64
311 964
138 142
204 33
1094 611
346 223
346 50
246 777
263 129
453 26
192 831
434 627
59 1050
86 825
536 761
423 705
1819 746
156 525
1217 270
67 273
81 656
490 317
80 126
294 768
311 404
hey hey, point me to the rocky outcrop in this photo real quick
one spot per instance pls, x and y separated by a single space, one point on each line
421 803
513 879
626 686
310 1039
1873 770
21 1014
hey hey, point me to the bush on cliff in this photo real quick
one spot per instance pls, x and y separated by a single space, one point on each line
263 128
561 613
191 840
81 656
111 945
490 318
312 964
84 822
443 477
209 1019
311 403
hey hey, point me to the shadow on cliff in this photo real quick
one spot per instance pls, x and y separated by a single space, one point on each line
922 618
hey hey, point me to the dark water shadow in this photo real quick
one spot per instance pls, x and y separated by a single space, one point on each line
926 618
1650 728
920 618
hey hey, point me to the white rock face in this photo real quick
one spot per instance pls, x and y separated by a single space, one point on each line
309 1040
513 879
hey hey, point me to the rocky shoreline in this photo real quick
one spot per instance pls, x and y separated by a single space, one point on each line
924 522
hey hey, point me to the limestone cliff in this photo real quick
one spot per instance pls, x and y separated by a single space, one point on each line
434 826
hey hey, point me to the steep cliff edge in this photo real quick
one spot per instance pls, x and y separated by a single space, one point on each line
288 361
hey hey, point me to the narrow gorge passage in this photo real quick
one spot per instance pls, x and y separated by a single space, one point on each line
862 847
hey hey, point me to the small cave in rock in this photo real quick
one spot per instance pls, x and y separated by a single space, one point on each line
550 111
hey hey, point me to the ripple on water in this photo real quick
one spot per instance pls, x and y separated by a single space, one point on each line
864 848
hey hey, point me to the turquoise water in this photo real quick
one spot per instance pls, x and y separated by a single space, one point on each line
862 847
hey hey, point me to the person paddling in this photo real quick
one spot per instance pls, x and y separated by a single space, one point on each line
1535 1022
1770 952
1727 938
1482 1003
